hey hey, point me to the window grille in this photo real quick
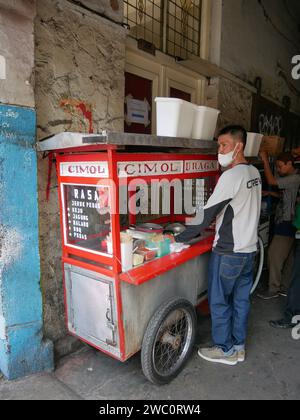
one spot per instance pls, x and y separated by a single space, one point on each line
144 18
183 28
172 26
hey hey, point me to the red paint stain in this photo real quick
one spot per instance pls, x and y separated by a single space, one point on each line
87 113
73 106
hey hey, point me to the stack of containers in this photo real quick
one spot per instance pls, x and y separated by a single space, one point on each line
253 144
179 118
174 117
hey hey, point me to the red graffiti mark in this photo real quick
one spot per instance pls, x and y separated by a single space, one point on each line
72 106
87 114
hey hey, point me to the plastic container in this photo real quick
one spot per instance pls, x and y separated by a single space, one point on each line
126 254
174 117
253 144
205 122
162 247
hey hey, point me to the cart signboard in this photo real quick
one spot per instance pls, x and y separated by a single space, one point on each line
84 169
165 167
86 216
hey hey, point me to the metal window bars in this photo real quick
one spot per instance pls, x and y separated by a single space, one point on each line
172 26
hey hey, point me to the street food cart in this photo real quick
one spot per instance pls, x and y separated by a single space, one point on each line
117 308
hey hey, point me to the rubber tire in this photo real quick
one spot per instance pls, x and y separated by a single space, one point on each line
150 334
260 265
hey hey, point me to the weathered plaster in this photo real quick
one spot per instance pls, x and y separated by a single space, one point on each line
235 104
80 61
17 50
79 57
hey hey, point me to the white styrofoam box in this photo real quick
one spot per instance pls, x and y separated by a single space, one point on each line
205 122
126 254
253 144
174 117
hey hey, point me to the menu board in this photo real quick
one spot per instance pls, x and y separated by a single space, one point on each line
87 216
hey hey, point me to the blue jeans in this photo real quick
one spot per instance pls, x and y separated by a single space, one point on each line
230 283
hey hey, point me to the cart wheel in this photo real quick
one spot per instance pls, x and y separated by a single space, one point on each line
168 340
258 264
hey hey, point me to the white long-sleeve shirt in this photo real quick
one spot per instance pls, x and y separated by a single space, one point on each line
236 204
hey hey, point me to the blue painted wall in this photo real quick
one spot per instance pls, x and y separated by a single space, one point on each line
22 348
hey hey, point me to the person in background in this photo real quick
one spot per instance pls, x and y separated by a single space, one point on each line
236 204
288 183
292 308
296 152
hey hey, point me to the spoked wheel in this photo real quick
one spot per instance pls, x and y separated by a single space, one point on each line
258 264
168 340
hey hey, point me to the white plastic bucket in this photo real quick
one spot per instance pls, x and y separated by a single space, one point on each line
253 144
174 117
126 254
205 122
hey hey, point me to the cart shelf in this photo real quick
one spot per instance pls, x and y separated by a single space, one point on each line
93 142
152 269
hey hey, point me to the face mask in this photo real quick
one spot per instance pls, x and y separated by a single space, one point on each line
226 160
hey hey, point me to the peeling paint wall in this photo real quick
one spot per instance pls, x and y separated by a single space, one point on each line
23 349
11 245
80 61
79 64
17 52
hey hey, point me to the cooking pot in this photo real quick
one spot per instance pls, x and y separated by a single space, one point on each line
175 228
147 227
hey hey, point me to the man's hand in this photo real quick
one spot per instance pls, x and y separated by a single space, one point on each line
264 156
271 180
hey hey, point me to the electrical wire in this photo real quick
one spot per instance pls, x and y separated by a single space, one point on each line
283 75
268 18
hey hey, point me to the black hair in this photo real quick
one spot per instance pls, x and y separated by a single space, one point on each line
286 157
236 131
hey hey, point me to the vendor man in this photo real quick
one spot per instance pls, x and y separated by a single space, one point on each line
235 203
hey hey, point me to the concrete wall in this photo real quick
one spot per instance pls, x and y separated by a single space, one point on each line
235 103
17 51
251 39
80 61
260 40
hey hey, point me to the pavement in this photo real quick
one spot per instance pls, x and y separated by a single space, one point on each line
271 371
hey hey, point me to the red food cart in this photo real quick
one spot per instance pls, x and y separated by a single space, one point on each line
150 307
